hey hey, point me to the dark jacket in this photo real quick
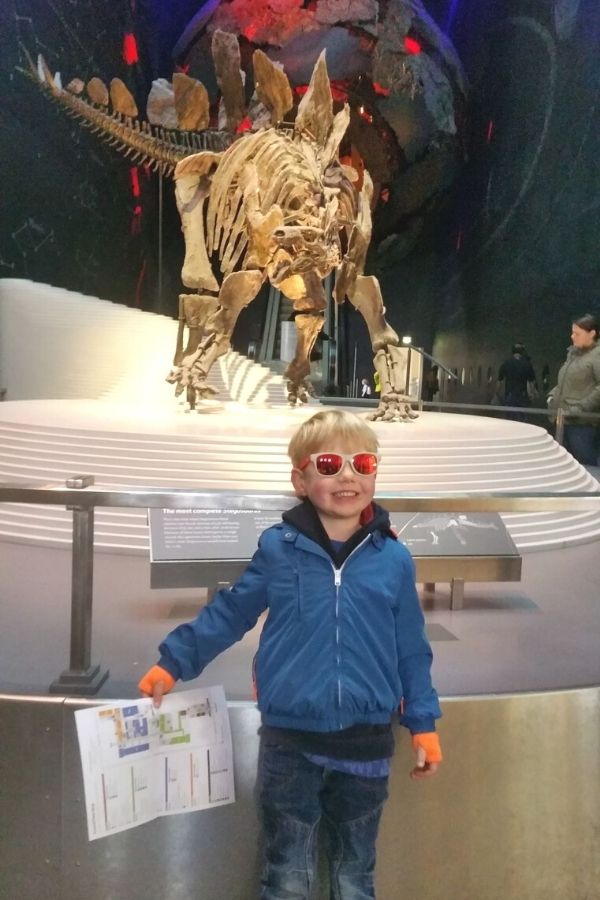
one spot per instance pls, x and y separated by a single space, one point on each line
344 638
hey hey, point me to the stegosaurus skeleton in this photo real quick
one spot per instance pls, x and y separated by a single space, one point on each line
277 204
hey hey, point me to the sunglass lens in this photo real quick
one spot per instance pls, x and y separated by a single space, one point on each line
365 463
329 463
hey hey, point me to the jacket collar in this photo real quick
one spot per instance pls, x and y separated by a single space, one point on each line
375 520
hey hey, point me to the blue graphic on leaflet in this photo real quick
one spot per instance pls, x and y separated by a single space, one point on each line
128 751
133 731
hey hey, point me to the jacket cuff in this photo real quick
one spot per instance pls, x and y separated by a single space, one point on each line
170 666
418 726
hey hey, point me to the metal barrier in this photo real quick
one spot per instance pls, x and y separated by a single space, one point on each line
514 813
82 677
560 415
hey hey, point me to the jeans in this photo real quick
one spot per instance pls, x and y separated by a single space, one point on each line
297 797
582 442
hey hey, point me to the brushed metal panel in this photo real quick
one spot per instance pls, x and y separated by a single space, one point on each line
514 812
30 797
212 855
469 568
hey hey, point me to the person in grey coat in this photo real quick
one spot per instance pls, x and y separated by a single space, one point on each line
578 389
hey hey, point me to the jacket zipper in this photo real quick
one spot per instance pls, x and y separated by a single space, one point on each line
337 580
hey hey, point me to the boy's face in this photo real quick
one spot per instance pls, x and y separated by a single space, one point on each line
337 498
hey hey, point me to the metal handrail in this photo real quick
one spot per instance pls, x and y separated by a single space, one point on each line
443 405
395 501
81 496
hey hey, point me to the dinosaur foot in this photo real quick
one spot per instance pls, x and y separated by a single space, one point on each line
393 408
193 383
299 392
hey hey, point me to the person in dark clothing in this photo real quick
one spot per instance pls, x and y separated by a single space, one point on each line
516 378
431 384
342 648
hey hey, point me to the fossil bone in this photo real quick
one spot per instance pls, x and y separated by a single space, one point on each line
272 205
191 103
97 91
121 99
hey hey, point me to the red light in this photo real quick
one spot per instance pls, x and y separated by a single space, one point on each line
382 91
338 91
136 220
244 125
459 239
490 130
412 46
135 181
130 49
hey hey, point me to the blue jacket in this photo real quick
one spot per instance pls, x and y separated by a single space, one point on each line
341 645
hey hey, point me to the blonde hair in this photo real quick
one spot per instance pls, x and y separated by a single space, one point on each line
331 425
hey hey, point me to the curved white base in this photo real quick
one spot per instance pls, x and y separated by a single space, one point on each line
230 445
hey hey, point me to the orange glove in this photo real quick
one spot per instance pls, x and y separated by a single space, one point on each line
156 682
429 754
430 743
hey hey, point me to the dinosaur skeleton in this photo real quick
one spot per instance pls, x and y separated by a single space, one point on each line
276 204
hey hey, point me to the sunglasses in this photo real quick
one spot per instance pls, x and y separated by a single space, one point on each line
327 464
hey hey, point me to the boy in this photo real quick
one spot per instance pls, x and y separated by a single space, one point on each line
343 645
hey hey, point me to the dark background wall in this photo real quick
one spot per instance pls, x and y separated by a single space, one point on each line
510 252
520 247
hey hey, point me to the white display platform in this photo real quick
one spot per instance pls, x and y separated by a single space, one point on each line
234 446
116 418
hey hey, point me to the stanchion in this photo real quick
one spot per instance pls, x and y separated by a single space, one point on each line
81 678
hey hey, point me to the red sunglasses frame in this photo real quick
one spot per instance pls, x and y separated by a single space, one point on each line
345 458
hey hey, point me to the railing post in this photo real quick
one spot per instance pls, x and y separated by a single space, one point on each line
81 678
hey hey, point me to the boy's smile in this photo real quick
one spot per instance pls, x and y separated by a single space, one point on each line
339 499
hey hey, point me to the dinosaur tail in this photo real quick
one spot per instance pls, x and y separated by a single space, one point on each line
141 142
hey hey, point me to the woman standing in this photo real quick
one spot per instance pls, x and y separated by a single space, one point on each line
578 389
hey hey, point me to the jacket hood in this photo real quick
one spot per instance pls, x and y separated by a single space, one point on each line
306 519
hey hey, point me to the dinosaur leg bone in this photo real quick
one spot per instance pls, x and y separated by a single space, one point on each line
194 312
389 359
307 293
394 405
299 387
192 186
237 291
